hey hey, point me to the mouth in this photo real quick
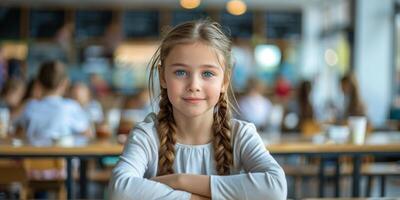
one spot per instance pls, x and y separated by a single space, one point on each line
193 100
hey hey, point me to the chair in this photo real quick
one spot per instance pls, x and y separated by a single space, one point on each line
381 170
46 174
10 172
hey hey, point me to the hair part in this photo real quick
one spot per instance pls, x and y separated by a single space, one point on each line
209 33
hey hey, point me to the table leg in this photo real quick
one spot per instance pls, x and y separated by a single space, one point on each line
356 175
83 178
337 177
321 176
383 180
69 182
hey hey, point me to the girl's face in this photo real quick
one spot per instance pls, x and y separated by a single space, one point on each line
194 78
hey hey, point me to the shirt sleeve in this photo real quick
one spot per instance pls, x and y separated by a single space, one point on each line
77 117
263 177
128 180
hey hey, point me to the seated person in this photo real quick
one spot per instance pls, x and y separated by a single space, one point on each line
11 96
352 104
80 92
52 117
308 125
254 107
135 109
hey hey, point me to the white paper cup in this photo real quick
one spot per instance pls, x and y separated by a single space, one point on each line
357 127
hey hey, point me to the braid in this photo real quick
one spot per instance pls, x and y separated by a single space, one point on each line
166 133
222 137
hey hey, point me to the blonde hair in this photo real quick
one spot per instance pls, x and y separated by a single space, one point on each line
209 33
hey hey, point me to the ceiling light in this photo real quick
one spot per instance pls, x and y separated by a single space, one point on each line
267 56
236 7
190 4
331 57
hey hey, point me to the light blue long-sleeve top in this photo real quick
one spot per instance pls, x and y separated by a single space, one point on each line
52 118
254 175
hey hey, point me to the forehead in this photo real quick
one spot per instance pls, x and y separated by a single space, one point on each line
195 54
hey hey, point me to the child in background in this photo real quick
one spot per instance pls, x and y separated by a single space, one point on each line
254 106
52 117
81 93
308 125
33 91
135 109
193 149
11 96
352 104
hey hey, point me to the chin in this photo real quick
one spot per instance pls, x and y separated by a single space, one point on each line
193 113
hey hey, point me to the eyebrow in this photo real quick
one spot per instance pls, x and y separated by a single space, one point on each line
185 65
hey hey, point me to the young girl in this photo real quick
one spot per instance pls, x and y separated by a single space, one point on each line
192 149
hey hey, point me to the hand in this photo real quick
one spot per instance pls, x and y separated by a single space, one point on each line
172 180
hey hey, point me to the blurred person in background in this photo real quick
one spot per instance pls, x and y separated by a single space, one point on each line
80 92
33 91
53 117
16 68
352 104
3 65
135 108
282 90
49 119
99 86
11 96
307 123
254 106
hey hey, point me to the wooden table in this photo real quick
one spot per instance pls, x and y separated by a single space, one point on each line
377 144
286 145
95 149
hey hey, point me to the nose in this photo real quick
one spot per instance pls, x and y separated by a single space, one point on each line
194 84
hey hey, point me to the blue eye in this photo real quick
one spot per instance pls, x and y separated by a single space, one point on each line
208 74
180 73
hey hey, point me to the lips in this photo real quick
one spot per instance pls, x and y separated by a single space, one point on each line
193 99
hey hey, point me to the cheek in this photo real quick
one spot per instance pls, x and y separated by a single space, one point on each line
214 92
173 90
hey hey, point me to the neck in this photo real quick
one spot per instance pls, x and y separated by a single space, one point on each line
194 131
51 93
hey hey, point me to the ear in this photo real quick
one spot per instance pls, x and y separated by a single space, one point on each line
225 85
63 86
161 76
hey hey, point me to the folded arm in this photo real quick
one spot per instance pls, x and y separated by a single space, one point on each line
128 180
129 186
263 178
195 184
